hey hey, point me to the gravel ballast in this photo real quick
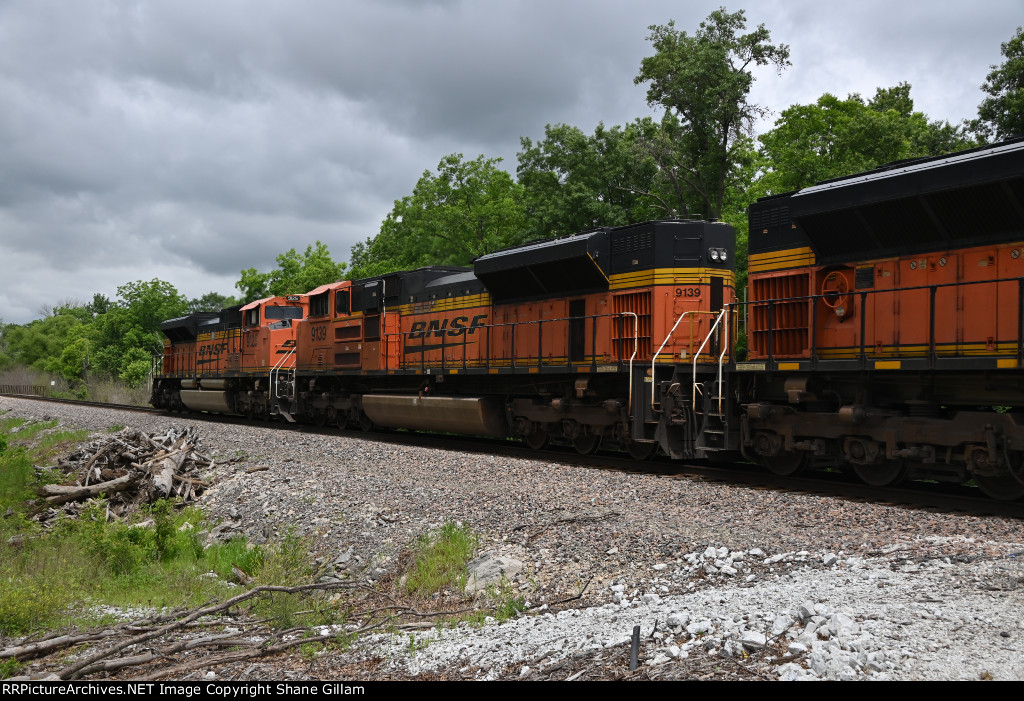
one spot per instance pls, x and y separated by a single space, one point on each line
774 584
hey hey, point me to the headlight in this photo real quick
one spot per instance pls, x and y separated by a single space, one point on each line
723 255
713 254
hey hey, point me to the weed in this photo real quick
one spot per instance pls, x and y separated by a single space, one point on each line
288 563
9 667
417 645
440 559
115 428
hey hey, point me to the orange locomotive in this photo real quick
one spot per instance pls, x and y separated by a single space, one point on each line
225 362
547 340
887 323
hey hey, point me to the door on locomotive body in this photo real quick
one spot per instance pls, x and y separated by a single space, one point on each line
1008 301
978 300
561 340
912 309
233 360
880 311
700 301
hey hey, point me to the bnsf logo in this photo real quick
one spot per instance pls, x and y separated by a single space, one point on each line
450 327
212 348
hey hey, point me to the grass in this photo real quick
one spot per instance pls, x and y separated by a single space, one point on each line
440 560
59 577
97 388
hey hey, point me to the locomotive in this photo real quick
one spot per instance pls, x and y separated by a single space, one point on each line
883 335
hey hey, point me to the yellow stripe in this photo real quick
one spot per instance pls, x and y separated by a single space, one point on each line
670 276
887 365
1006 363
777 260
445 305
789 366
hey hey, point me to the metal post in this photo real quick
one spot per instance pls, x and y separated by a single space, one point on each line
931 326
863 327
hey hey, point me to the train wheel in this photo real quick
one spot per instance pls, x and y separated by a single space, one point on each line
786 464
250 412
321 419
1001 488
641 450
341 420
536 440
887 474
587 443
365 423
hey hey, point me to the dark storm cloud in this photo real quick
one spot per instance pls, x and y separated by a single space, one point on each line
188 140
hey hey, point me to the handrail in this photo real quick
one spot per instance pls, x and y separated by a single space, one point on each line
278 368
721 356
707 338
864 294
636 349
513 324
654 358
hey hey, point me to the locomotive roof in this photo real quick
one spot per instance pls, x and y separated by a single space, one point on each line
969 198
584 262
557 266
185 328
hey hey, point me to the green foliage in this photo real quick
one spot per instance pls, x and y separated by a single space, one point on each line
573 182
130 330
288 563
440 559
1001 114
834 137
211 302
703 81
23 604
9 668
466 209
296 273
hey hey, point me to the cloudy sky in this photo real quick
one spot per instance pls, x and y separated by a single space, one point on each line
188 139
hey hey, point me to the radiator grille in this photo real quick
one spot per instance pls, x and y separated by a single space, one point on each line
638 303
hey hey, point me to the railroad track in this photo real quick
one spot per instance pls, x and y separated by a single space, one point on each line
911 495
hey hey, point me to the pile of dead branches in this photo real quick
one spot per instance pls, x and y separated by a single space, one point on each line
130 468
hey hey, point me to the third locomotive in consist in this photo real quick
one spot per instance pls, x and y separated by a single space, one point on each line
883 333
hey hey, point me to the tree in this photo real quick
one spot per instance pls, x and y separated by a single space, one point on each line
130 329
834 137
1002 113
296 273
211 302
703 82
572 181
466 209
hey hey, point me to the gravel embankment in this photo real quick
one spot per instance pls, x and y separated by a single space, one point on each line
779 585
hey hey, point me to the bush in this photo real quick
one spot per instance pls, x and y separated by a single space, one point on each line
440 559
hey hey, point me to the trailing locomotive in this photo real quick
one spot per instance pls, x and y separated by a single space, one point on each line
884 334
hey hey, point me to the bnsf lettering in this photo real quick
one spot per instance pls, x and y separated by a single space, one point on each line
212 348
440 327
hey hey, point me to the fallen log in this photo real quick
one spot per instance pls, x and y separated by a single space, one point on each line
61 494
